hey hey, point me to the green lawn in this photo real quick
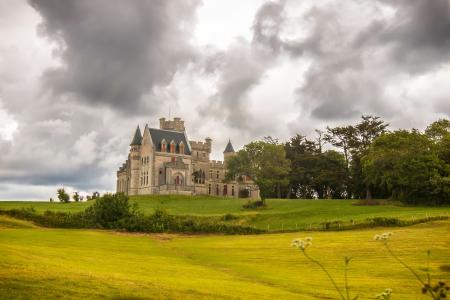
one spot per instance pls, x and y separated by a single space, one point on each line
280 214
74 264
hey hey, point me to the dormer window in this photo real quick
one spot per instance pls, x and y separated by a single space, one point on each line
172 147
181 148
163 146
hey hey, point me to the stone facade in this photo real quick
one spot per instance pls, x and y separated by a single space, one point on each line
163 161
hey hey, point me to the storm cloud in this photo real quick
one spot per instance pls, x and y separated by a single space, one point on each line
353 65
113 52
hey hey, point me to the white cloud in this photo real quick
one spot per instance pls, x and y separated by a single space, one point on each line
8 125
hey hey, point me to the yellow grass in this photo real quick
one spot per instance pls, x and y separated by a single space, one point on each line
53 263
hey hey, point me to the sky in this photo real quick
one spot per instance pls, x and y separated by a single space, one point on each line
77 77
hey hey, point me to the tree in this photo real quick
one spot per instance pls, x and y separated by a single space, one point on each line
405 164
63 196
343 138
313 173
76 197
265 163
354 141
438 129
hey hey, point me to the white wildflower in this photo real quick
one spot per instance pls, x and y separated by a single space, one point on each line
386 295
383 237
302 244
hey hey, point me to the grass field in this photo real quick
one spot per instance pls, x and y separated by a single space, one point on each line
56 263
280 214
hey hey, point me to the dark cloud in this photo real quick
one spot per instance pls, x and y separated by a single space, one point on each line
113 52
418 35
350 61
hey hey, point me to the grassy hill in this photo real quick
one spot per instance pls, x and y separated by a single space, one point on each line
74 264
281 214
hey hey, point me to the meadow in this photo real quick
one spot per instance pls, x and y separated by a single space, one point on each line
280 214
42 263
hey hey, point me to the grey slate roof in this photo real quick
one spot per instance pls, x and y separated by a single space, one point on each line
137 139
229 147
158 135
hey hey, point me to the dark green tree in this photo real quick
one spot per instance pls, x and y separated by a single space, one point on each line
315 173
76 197
354 141
438 129
405 164
263 161
63 196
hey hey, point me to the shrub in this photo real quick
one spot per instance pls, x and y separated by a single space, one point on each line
229 217
383 221
254 204
109 209
368 202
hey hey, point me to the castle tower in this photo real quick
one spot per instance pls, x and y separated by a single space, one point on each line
228 152
135 161
176 125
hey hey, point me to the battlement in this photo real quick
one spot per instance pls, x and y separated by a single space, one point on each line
216 164
201 146
177 124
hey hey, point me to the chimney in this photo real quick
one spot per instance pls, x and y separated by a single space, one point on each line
161 123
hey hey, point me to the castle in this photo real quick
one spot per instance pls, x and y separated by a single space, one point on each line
163 161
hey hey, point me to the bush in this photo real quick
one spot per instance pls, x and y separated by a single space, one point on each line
254 204
109 209
383 221
229 217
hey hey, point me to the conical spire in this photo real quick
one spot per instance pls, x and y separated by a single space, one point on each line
229 148
137 139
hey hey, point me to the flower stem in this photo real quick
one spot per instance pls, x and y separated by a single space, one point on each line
347 261
409 268
326 272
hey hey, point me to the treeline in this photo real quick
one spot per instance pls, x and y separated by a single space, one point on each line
360 161
64 197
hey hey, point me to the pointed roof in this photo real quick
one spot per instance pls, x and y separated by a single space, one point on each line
229 147
137 139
